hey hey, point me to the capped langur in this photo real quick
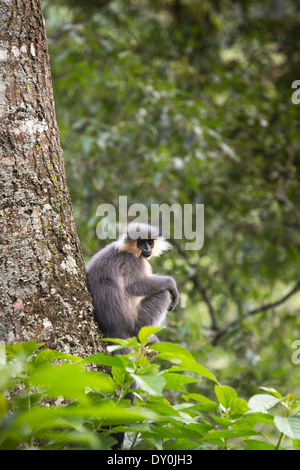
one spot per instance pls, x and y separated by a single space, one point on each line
126 294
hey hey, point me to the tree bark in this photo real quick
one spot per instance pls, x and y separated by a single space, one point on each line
43 293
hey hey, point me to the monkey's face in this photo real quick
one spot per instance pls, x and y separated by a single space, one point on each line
145 246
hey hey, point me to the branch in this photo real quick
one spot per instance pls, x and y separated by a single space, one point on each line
198 285
251 313
231 326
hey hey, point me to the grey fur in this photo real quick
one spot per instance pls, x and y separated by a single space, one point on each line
126 295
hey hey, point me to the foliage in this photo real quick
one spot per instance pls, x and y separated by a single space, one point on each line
190 102
53 400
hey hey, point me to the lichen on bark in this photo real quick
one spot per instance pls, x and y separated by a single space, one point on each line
43 293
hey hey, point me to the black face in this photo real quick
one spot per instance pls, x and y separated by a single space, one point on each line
145 246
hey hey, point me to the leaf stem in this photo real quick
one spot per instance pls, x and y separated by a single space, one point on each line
134 441
279 441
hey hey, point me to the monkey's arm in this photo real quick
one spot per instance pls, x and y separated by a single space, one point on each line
153 284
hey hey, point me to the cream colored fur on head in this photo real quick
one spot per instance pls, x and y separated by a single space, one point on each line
144 231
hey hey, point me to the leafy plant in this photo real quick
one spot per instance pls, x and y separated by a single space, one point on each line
53 400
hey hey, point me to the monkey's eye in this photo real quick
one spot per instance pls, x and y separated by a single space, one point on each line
151 243
140 243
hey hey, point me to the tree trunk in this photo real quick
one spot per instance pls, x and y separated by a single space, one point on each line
43 293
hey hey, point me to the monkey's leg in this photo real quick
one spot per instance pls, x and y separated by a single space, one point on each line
152 311
152 285
116 333
122 351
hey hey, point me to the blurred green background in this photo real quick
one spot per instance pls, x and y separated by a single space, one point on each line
185 101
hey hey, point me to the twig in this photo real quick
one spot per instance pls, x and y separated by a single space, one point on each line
198 285
218 333
251 313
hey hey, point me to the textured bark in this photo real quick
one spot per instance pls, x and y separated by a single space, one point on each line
43 294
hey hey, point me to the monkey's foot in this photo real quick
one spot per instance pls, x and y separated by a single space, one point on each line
149 353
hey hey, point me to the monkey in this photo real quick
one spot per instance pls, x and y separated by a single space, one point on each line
126 294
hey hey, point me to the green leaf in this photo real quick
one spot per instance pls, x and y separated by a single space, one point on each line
152 384
225 395
181 444
201 399
3 406
227 433
84 438
132 428
258 417
58 417
253 444
296 444
110 414
70 380
176 381
19 401
179 355
199 428
106 360
145 444
162 406
271 390
176 430
147 331
114 340
49 355
6 374
206 407
222 421
262 402
22 350
239 405
123 343
290 426
119 374
173 351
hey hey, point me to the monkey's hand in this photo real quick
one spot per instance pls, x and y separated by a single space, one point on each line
152 339
175 296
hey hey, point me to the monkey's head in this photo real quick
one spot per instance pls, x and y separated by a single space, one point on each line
145 246
143 240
